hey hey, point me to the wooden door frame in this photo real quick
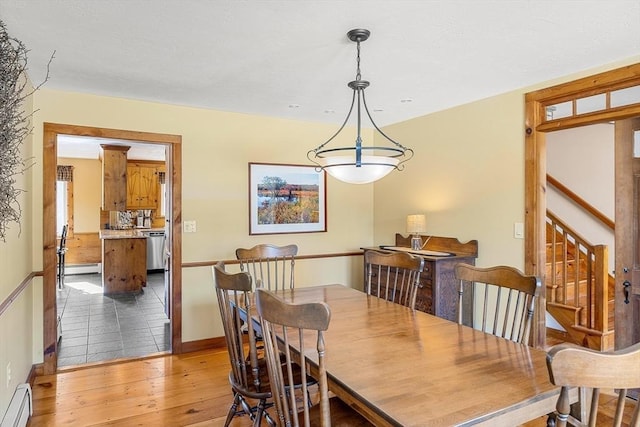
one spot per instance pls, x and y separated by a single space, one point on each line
536 125
50 159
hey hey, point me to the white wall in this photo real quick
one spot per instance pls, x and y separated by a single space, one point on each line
582 159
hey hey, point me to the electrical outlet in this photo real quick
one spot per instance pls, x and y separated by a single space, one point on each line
8 374
189 226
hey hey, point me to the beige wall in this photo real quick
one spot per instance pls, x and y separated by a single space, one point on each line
216 149
18 322
203 319
87 196
467 176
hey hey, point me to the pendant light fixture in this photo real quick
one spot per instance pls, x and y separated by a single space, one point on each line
359 164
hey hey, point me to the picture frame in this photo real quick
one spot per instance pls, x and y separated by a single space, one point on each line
285 198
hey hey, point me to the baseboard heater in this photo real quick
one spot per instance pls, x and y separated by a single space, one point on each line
20 407
82 268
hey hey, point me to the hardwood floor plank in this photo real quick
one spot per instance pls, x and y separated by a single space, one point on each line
185 390
190 388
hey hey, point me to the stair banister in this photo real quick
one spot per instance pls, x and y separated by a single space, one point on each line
594 316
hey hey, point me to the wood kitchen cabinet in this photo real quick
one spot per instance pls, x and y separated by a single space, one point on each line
114 177
143 186
124 261
438 291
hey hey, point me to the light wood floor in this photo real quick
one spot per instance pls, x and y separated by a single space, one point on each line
185 390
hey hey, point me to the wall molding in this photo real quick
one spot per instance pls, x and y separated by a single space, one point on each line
298 257
27 280
17 291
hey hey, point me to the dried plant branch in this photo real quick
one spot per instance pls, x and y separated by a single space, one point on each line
15 125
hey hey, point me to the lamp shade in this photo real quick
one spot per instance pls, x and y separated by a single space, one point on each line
372 168
416 224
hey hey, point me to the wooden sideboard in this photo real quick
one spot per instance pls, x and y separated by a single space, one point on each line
438 292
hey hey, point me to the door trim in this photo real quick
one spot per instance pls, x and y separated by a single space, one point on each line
535 161
50 135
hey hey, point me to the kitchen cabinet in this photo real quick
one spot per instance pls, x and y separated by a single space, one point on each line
143 185
124 261
114 177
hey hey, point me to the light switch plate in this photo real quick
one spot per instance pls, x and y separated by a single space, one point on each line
518 230
189 226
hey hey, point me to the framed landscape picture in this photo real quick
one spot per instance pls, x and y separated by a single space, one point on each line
286 199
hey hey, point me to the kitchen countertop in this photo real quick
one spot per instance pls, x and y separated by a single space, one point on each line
122 234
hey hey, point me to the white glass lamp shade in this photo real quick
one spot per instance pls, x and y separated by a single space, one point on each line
416 224
372 168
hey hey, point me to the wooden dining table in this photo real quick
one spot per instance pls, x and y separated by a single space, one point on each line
401 367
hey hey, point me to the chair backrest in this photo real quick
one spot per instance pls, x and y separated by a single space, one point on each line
393 276
270 266
500 300
284 323
573 366
63 238
233 291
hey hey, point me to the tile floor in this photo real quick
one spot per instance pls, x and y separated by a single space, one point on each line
96 327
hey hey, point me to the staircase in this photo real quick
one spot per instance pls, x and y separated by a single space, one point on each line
579 290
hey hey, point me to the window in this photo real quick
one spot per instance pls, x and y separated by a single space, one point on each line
64 199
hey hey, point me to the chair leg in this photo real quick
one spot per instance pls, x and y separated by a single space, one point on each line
60 270
257 420
233 409
270 421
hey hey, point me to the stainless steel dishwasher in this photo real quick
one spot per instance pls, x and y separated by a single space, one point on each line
155 250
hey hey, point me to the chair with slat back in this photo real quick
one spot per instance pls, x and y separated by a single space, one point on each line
247 381
393 276
271 266
501 300
282 325
61 252
573 366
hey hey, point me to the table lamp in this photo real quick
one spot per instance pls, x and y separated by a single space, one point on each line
416 224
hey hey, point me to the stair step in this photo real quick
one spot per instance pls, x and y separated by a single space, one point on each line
571 268
564 262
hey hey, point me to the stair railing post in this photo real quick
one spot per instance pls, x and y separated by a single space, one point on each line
601 285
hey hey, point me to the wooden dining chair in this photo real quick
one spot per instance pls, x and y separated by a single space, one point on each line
284 324
499 300
247 380
61 252
271 266
573 366
393 276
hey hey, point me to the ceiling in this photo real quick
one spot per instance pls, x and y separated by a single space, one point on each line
292 59
82 147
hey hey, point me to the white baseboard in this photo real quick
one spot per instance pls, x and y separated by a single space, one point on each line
82 268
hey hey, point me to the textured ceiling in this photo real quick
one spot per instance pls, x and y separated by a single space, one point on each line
261 56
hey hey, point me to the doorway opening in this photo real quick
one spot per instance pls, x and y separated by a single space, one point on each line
606 97
171 144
